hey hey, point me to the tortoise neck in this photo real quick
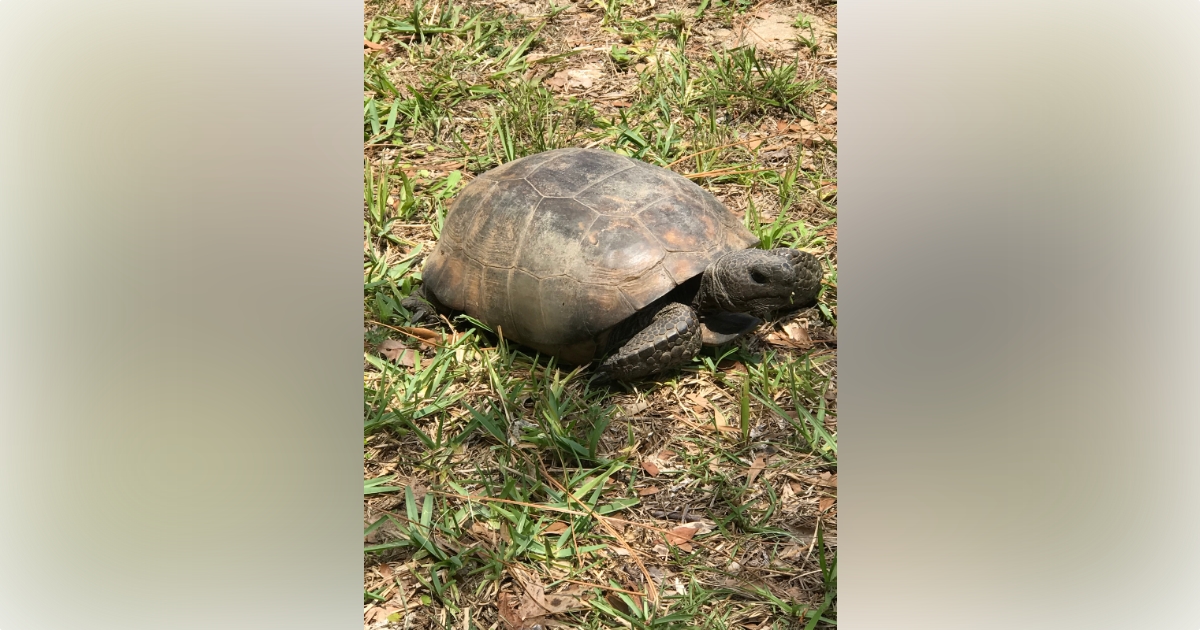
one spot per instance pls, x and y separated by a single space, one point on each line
712 295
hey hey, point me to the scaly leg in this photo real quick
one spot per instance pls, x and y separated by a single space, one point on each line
671 339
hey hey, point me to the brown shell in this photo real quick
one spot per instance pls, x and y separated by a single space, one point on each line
558 247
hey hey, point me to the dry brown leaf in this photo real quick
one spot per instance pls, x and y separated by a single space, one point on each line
757 467
582 77
680 537
391 349
794 336
533 607
650 467
385 570
507 612
699 400
648 490
427 337
557 527
733 367
372 45
797 333
566 600
825 503
719 418
791 551
637 407
617 602
558 80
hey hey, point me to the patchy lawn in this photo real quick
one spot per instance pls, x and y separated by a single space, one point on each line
502 491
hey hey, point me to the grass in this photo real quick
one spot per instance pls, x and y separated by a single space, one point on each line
492 474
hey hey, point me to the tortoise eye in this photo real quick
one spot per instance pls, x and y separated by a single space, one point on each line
758 277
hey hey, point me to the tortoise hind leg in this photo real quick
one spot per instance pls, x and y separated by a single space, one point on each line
671 339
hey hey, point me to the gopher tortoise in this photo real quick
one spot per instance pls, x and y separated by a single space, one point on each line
588 255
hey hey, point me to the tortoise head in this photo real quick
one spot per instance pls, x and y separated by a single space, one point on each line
760 282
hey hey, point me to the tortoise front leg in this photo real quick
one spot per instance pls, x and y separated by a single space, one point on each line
671 339
424 307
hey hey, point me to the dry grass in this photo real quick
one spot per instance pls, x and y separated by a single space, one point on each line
503 491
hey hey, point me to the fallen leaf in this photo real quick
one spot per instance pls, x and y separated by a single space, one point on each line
617 602
582 77
391 349
396 352
532 605
797 333
567 599
719 418
637 407
650 467
507 612
557 527
558 80
372 45
699 400
733 367
794 337
757 467
427 337
621 104
791 551
649 490
681 534
825 503
787 496
385 570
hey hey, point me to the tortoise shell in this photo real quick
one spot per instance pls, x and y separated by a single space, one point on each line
558 247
